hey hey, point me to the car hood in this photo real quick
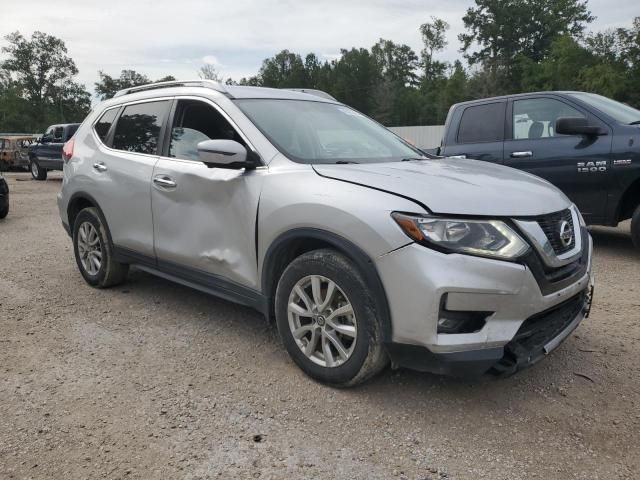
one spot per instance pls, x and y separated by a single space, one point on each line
461 187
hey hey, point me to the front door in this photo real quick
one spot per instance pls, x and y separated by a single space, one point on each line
204 218
577 165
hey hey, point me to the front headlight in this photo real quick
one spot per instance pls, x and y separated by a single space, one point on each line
487 238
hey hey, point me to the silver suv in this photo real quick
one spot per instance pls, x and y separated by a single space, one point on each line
362 248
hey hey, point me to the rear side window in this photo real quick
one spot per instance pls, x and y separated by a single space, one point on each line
70 131
138 127
103 125
57 134
482 123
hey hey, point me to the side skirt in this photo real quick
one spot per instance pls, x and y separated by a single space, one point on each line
197 279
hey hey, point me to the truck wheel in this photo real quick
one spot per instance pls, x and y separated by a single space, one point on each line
327 320
635 227
93 251
37 172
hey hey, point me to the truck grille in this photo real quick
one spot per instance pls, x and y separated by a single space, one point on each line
551 225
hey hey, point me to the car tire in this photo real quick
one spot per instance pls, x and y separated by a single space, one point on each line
353 338
37 172
635 227
94 252
4 210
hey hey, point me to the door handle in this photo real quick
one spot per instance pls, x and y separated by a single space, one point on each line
524 154
100 167
164 181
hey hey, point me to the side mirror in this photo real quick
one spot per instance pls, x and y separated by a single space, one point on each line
226 154
578 126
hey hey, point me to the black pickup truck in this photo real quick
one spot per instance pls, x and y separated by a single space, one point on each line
46 153
585 144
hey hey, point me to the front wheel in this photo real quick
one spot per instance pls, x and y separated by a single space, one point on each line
37 172
635 227
327 319
93 251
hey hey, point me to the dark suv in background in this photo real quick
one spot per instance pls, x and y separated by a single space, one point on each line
46 154
585 144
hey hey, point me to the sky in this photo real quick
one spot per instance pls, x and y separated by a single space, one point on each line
177 37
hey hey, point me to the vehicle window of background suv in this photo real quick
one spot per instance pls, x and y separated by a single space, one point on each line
536 117
138 128
482 123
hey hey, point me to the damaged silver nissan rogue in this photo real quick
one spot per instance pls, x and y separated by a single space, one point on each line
364 250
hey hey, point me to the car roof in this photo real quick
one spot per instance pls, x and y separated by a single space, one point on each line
517 95
170 88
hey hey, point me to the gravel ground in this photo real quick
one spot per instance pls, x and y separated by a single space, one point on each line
151 380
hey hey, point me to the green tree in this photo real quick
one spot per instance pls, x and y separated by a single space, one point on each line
107 86
500 31
434 40
41 73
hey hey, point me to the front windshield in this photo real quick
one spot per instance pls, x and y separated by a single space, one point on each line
618 111
318 132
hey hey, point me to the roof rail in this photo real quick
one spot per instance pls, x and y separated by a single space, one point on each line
312 91
213 85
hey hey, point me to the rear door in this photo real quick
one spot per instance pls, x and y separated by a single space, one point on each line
576 164
480 132
122 170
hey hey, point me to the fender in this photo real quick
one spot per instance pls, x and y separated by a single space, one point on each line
279 247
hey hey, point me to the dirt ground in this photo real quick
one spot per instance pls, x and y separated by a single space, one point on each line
152 380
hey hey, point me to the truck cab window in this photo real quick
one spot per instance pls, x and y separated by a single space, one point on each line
536 117
195 122
482 123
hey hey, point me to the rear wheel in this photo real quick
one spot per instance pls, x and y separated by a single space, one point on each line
327 319
37 172
4 209
635 227
93 251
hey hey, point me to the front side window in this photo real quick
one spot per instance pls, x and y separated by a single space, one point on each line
536 117
103 125
195 122
138 128
317 132
482 123
618 111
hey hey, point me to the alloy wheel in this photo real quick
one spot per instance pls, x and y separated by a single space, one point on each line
89 248
322 321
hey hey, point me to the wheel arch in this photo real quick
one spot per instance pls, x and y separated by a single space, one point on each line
293 243
629 201
79 201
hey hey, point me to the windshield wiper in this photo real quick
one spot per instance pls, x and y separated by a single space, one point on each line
344 162
635 122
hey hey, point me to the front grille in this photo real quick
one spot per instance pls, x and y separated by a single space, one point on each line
527 346
550 225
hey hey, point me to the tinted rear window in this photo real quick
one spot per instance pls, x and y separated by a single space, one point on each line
103 125
482 123
138 127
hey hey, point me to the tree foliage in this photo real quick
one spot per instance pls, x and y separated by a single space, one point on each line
36 84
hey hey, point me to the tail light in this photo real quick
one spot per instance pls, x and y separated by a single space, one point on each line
67 150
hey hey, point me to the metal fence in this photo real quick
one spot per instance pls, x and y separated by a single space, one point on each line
421 136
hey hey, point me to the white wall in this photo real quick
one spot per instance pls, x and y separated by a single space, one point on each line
422 137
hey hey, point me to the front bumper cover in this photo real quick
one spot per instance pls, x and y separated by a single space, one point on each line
538 336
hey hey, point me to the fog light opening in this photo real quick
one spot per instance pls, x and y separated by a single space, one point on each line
460 321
